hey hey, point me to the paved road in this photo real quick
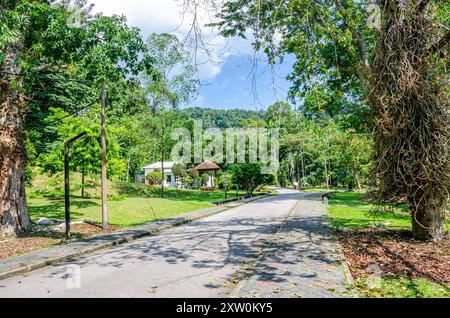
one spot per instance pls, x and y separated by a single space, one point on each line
196 260
302 261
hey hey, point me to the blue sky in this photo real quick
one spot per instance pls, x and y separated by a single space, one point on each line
227 84
234 86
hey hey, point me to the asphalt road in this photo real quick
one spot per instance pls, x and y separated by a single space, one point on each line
196 260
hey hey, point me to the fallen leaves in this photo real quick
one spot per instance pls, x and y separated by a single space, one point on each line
43 239
397 254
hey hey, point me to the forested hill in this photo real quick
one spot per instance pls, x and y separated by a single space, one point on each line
221 118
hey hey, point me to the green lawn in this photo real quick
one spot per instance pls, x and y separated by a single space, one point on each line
352 211
133 205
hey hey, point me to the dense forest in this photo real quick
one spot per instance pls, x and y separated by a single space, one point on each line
221 118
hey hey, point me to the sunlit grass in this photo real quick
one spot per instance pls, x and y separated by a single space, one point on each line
392 287
128 210
351 210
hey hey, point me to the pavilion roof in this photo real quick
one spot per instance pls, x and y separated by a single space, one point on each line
207 166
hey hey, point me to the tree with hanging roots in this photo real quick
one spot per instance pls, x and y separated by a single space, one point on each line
392 55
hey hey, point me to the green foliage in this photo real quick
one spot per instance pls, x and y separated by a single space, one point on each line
281 115
177 82
320 151
154 178
220 118
248 177
179 171
329 73
85 153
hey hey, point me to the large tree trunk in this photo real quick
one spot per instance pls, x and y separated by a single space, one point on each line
14 217
412 123
428 219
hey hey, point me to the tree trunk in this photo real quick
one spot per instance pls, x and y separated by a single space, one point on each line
162 174
14 218
411 121
128 168
326 174
82 183
428 225
428 220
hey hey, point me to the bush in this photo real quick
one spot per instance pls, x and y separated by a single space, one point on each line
154 178
248 176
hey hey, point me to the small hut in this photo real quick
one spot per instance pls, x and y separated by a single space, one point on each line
208 167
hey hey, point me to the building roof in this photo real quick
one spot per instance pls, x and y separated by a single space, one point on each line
157 165
207 166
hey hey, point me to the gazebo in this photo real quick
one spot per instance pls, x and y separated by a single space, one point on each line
208 166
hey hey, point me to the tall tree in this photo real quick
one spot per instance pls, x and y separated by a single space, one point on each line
178 81
36 39
397 64
25 28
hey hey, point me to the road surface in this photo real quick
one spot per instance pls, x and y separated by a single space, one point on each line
196 260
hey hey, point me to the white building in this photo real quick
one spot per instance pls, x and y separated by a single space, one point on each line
169 180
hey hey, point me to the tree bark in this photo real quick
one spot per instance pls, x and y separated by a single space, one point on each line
82 183
412 124
104 161
14 218
162 174
428 221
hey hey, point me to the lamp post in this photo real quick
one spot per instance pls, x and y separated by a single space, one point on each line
66 181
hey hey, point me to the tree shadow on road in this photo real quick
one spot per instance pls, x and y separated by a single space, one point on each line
209 245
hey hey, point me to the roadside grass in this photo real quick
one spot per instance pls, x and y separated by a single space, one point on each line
135 206
351 211
324 189
394 287
128 205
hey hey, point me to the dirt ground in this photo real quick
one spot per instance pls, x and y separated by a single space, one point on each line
397 254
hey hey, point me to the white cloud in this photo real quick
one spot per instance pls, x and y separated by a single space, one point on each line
199 100
159 16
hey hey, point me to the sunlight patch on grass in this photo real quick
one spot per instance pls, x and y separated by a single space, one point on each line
350 210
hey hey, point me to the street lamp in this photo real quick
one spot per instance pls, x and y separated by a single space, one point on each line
66 181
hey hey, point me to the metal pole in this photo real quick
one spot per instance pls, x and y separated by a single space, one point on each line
104 171
67 189
66 181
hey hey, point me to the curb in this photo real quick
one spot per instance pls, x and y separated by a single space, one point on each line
18 265
344 264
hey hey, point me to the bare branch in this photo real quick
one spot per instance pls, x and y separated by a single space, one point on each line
45 67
